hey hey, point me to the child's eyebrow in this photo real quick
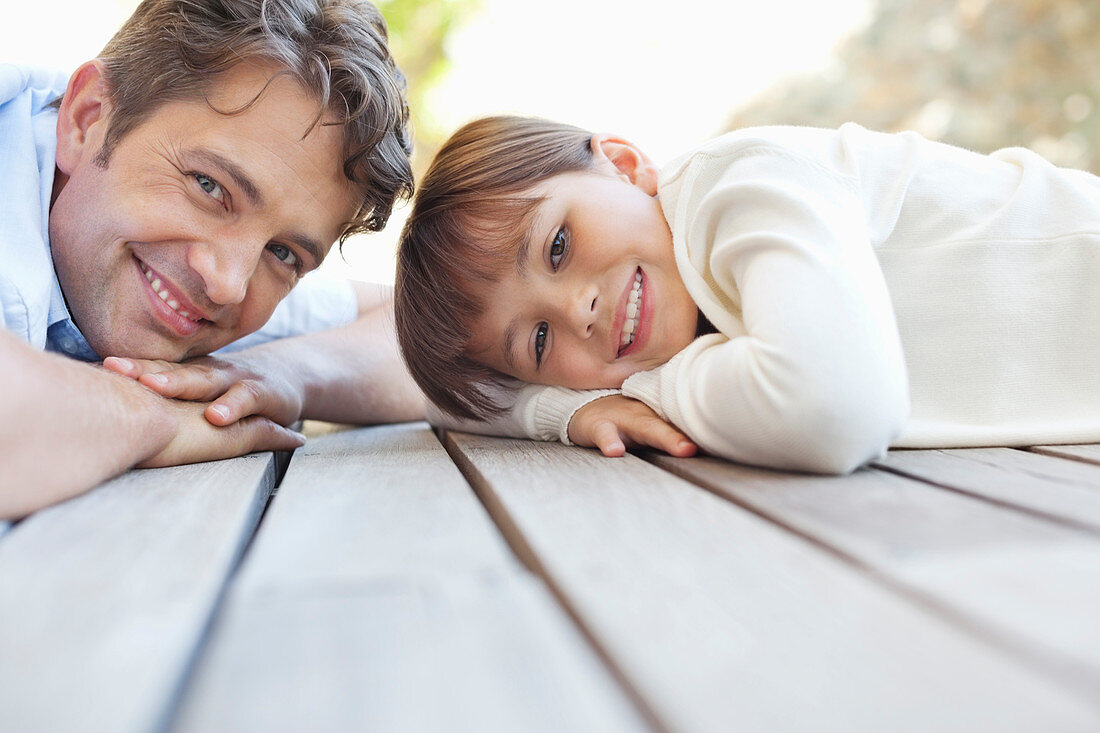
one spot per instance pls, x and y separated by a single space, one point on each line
510 344
530 222
523 250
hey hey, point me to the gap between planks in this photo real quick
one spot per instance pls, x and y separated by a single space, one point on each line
526 555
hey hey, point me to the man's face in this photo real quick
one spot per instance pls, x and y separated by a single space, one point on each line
201 222
596 296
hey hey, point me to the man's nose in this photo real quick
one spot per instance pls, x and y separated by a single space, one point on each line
226 265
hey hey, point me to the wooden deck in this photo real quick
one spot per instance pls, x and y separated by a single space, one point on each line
394 581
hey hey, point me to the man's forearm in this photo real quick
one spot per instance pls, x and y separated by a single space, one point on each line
351 374
355 374
68 426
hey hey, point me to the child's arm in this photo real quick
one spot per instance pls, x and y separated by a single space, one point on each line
601 419
817 381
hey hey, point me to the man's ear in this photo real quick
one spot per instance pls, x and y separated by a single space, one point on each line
632 164
82 118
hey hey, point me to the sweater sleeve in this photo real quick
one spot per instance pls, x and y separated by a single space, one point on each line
532 411
816 382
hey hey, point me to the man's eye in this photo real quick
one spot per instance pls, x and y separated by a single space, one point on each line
210 186
283 254
540 341
558 248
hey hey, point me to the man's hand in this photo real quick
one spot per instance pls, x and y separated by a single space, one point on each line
612 423
195 439
236 385
351 374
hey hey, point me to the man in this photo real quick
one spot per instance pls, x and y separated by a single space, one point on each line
163 207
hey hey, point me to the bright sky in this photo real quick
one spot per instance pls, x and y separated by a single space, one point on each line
663 74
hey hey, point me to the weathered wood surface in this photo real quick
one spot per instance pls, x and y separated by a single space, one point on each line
722 620
538 587
1066 491
1029 585
379 596
103 599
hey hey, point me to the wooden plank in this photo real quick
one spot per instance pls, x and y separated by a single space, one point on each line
723 621
1088 453
1067 491
379 596
1029 585
103 598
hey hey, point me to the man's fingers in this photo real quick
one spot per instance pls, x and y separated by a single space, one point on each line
187 382
135 368
209 443
241 400
262 434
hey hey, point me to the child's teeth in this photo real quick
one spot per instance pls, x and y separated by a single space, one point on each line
633 308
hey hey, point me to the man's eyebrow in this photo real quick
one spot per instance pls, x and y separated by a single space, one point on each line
309 244
240 178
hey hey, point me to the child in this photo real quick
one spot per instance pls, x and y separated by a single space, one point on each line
864 290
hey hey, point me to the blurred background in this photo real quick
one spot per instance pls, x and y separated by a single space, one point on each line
983 74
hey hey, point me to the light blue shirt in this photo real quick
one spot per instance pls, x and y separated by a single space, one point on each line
32 305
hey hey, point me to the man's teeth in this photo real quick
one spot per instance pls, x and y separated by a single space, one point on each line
160 290
633 308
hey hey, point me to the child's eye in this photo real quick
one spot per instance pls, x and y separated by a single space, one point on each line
211 187
540 341
558 248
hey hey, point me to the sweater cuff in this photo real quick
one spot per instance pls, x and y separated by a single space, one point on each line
548 413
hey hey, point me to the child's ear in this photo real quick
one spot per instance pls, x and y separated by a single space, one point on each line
82 118
632 164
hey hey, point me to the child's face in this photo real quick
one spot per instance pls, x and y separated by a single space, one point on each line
596 295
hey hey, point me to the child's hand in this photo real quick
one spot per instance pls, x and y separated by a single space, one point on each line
615 422
235 385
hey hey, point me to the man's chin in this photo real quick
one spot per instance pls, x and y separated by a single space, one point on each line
152 349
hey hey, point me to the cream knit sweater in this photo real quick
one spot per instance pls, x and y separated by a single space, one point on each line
871 290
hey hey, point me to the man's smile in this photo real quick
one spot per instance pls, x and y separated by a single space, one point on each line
172 307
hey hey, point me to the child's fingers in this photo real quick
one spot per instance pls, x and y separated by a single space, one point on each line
657 433
606 437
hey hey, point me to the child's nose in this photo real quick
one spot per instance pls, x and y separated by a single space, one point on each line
584 312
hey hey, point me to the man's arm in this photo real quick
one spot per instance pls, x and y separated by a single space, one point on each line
67 426
351 374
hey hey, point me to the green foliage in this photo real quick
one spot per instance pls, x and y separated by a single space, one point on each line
418 35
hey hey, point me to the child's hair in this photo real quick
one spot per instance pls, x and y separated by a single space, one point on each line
469 216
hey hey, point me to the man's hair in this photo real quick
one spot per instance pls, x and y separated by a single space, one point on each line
471 212
174 50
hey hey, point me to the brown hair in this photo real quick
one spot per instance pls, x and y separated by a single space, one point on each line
467 221
173 50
